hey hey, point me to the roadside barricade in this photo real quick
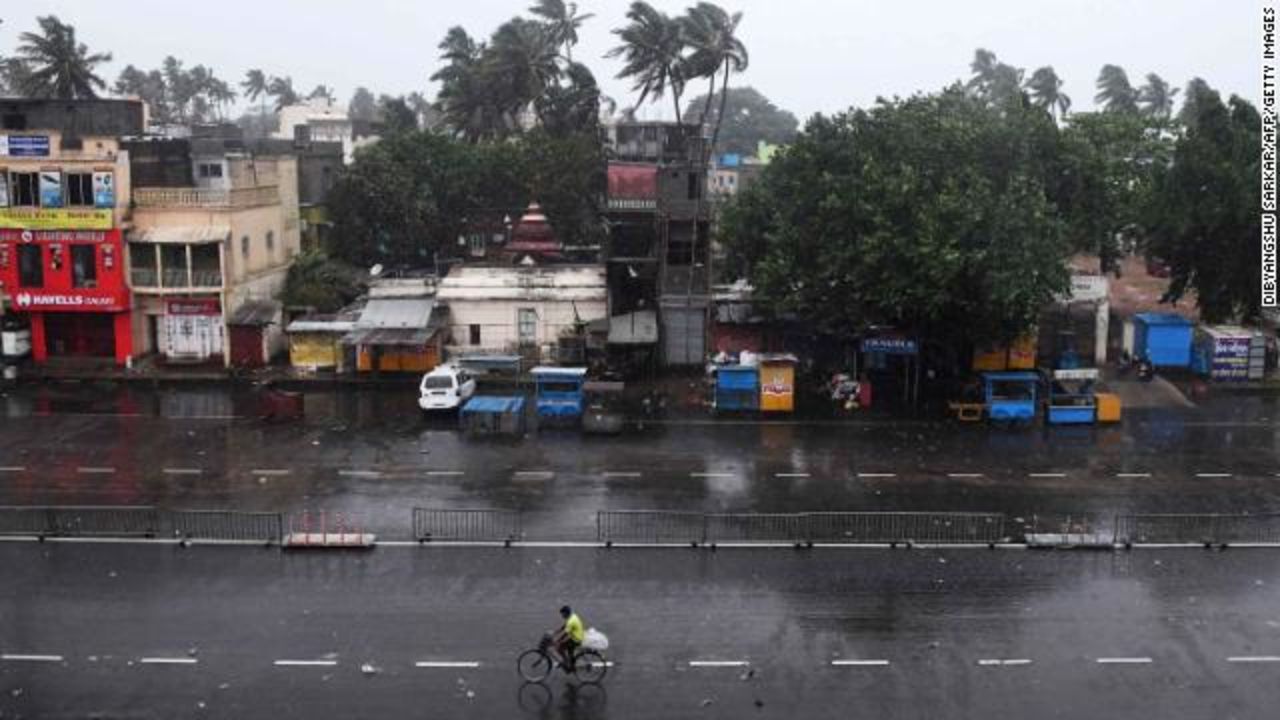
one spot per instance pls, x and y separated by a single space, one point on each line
1200 529
430 524
653 527
266 527
925 528
80 521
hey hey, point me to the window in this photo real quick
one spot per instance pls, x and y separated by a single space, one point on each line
475 334
209 170
24 189
80 189
693 185
84 266
271 240
244 247
30 267
527 325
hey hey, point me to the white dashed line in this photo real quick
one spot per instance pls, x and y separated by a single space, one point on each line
1254 659
31 658
1213 475
620 474
95 470
1047 475
13 468
182 471
964 475
1133 475
445 473
305 663
987 662
534 474
877 475
360 473
859 663
270 471
1124 661
718 663
791 475
168 661
710 475
446 664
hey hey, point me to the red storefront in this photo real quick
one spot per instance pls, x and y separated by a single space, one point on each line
70 284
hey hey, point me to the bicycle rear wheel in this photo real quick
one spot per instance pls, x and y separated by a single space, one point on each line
590 666
533 665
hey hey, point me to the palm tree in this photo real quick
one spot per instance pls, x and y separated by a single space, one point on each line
59 66
321 92
1156 97
524 64
1115 93
712 36
652 49
1197 92
564 21
255 86
1046 92
992 80
464 96
281 88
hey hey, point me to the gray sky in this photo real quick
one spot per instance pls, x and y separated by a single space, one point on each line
806 55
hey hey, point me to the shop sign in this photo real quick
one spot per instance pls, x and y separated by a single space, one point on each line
104 189
80 300
50 189
58 236
29 218
24 146
193 306
889 346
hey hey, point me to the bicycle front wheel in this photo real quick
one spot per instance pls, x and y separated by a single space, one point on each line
533 665
590 666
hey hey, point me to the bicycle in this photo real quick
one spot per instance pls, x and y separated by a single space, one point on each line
536 664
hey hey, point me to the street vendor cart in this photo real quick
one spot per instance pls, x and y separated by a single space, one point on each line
1072 398
1011 396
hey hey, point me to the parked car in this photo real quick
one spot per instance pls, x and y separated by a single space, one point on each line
445 388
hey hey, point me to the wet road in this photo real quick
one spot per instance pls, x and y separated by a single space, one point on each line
140 631
370 455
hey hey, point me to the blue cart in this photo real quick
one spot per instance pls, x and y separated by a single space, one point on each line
737 388
493 415
1011 396
559 393
1071 397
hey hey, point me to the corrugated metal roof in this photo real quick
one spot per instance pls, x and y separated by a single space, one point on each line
255 313
396 313
181 234
317 326
415 337
493 404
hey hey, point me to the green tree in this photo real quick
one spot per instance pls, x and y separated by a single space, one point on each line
994 81
563 20
1115 94
1197 88
750 117
363 106
57 65
523 63
396 115
712 35
281 88
321 92
1156 97
652 50
318 281
256 86
1045 88
932 214
1205 215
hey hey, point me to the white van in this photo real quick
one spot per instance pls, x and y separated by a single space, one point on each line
445 388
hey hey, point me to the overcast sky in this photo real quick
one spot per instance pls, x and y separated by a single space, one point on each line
806 55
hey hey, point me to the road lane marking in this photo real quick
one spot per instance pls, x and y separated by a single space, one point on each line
1133 475
447 664
718 663
535 474
1254 659
305 663
168 661
791 475
270 471
360 473
1047 475
964 475
1003 662
621 474
182 471
859 663
13 468
877 475
31 658
95 470
445 473
1124 661
721 475
1213 475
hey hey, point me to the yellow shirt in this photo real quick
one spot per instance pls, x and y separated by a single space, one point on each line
573 628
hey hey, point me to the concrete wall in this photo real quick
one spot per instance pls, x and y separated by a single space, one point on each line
497 320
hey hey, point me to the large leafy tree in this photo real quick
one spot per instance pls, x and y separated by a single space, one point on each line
58 65
652 50
750 117
363 106
1205 215
318 281
933 214
1115 93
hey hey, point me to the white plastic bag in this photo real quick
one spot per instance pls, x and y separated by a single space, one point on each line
595 640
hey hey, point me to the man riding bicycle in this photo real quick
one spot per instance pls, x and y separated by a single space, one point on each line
569 637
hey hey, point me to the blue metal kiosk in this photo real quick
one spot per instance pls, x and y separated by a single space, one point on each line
1011 395
737 388
559 393
1071 397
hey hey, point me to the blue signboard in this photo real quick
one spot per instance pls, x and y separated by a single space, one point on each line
104 190
25 146
889 346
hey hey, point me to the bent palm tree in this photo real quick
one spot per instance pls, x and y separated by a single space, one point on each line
57 64
1115 93
255 86
652 50
281 88
1156 97
564 20
1046 92
712 34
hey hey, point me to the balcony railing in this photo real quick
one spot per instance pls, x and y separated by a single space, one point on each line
174 278
205 197
143 277
206 278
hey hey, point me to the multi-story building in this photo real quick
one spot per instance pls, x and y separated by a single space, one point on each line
321 120
213 233
64 204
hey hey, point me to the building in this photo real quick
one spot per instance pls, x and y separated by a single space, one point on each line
532 239
399 328
321 120
315 342
213 231
521 309
64 205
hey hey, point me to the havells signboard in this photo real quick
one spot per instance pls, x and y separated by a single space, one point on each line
86 300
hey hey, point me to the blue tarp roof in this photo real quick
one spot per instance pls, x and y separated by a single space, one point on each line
1163 319
1013 375
494 404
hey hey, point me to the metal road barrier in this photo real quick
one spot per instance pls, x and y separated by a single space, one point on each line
927 528
79 521
266 527
754 527
460 525
1207 529
650 526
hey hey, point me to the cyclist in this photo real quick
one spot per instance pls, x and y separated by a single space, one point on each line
569 637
